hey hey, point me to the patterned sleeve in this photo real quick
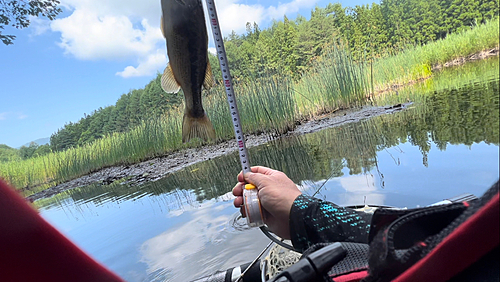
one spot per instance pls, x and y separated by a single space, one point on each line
315 221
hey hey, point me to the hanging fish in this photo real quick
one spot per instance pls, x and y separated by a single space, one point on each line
183 26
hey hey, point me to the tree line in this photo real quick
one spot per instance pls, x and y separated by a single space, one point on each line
25 152
290 47
130 109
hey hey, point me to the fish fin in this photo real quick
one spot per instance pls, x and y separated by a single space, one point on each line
168 81
209 81
197 127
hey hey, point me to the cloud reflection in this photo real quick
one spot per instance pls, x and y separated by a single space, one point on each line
178 250
358 187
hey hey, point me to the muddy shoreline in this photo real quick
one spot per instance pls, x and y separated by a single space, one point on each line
157 168
485 54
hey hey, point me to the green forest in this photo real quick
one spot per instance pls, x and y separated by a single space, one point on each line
287 48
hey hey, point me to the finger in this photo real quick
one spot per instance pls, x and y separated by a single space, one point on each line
256 179
262 169
238 202
238 189
240 177
256 169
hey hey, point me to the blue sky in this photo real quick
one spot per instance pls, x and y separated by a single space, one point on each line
94 52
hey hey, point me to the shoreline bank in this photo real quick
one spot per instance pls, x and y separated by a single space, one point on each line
154 169
485 54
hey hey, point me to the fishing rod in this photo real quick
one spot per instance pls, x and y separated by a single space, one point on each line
251 202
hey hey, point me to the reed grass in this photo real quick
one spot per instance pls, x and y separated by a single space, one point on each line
336 82
269 105
418 61
265 106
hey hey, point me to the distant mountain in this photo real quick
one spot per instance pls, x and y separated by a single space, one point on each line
41 141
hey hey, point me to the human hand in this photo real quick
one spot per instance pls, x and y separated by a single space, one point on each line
276 195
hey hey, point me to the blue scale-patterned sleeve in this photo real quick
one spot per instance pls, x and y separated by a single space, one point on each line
315 221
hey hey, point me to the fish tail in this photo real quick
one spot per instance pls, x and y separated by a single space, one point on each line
200 127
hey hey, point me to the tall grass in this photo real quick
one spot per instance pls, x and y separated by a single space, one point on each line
151 138
265 105
270 105
454 78
417 62
336 82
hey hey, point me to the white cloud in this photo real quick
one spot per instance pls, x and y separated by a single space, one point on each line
90 36
138 10
148 66
287 8
114 30
234 16
212 50
3 116
129 29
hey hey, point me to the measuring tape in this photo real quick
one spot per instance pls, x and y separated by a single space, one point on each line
250 199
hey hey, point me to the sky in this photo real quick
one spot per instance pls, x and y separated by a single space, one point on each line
95 51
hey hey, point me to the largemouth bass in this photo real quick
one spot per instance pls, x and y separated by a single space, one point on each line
183 26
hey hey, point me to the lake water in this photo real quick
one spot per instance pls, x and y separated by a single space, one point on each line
185 226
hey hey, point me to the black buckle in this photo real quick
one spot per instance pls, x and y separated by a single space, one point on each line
314 266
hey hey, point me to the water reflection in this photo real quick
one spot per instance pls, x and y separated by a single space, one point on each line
174 250
192 245
182 227
467 115
361 187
